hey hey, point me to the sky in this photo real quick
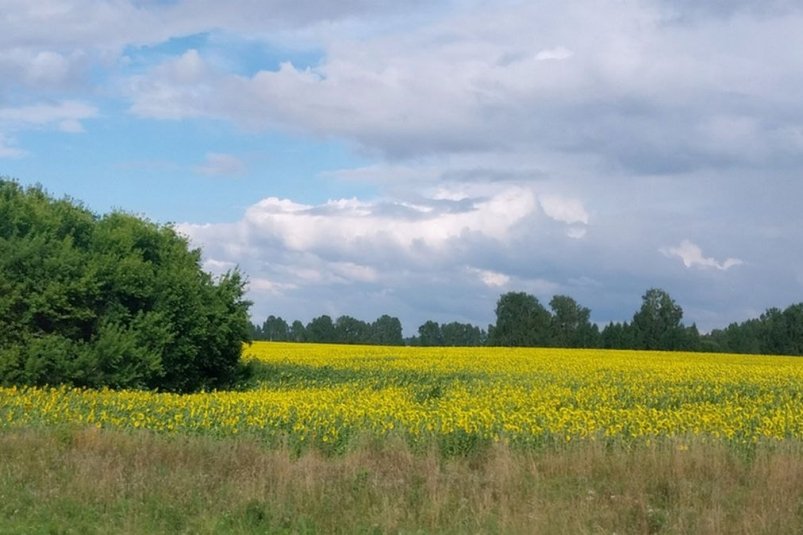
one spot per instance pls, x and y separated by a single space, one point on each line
421 158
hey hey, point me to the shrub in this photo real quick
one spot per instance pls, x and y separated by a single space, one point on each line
111 300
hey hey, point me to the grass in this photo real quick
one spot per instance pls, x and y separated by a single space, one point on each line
75 480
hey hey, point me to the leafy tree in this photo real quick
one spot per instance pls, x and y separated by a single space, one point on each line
298 333
321 330
738 338
387 331
350 330
462 334
275 329
520 321
429 334
793 332
571 325
110 301
617 336
255 332
657 325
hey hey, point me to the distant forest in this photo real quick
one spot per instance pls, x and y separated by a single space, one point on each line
521 320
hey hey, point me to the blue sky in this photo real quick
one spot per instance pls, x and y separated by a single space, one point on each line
421 158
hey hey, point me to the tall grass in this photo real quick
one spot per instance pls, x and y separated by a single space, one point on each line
77 480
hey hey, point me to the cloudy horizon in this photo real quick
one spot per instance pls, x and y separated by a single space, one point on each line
365 158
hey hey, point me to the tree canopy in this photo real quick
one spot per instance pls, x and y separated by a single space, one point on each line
521 320
111 300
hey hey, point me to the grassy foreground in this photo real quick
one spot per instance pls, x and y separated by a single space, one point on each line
86 480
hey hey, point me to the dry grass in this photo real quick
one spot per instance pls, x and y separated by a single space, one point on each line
90 481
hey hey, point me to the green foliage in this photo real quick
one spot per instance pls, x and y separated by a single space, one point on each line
775 332
321 330
657 325
617 336
520 321
274 329
429 334
457 334
571 324
349 330
298 333
387 331
110 301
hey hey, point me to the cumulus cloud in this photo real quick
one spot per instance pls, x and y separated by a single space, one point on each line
692 256
410 257
351 224
565 210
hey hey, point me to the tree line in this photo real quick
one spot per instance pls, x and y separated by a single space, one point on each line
522 321
386 330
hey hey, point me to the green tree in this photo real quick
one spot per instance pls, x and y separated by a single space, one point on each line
745 337
657 324
793 320
521 320
275 329
387 331
429 334
298 333
461 335
321 330
617 336
571 325
110 301
350 330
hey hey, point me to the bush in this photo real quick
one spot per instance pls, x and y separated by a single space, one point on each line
113 301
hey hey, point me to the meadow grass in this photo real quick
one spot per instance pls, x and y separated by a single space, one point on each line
89 480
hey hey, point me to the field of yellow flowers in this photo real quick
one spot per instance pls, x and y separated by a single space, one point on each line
326 395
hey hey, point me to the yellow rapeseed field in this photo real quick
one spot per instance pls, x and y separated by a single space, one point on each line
327 394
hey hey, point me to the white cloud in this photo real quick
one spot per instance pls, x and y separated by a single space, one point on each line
692 256
66 115
218 267
8 150
557 53
354 225
639 93
492 279
220 164
301 253
564 210
351 272
262 285
576 232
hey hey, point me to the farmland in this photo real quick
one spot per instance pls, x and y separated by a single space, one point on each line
378 439
327 395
